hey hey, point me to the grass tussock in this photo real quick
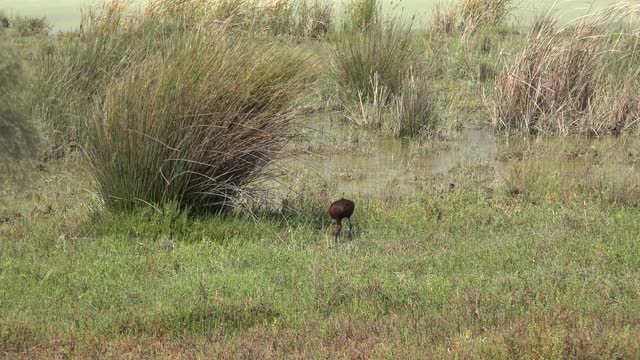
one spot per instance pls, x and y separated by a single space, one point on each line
379 81
75 71
384 51
155 132
193 127
304 19
577 80
408 113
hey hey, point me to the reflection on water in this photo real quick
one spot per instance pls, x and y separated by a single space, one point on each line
405 166
401 162
398 161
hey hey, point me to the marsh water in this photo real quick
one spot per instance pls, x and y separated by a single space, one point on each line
383 166
65 14
402 166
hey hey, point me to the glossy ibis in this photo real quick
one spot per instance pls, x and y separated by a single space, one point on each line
339 210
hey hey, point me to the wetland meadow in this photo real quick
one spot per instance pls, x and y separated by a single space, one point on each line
166 168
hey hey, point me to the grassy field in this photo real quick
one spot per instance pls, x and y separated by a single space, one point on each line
114 248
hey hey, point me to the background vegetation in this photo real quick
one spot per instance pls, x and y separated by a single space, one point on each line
18 133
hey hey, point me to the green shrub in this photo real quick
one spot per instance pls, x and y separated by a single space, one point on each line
197 125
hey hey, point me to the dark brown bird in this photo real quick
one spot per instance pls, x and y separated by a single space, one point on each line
339 210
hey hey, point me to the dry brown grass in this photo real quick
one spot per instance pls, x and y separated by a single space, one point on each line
577 80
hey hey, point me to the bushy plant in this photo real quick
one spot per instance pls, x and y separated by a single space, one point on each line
197 125
73 73
407 113
384 51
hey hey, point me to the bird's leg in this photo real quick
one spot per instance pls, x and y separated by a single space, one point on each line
337 230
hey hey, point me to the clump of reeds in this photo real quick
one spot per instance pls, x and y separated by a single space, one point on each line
384 51
412 110
522 177
552 75
372 66
443 18
469 16
406 113
113 37
196 125
170 107
545 23
576 80
477 14
304 18
314 18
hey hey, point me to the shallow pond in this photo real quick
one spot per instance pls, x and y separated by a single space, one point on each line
65 14
387 166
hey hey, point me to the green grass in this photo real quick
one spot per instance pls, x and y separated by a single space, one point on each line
474 271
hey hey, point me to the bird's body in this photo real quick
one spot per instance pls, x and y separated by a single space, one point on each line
339 210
